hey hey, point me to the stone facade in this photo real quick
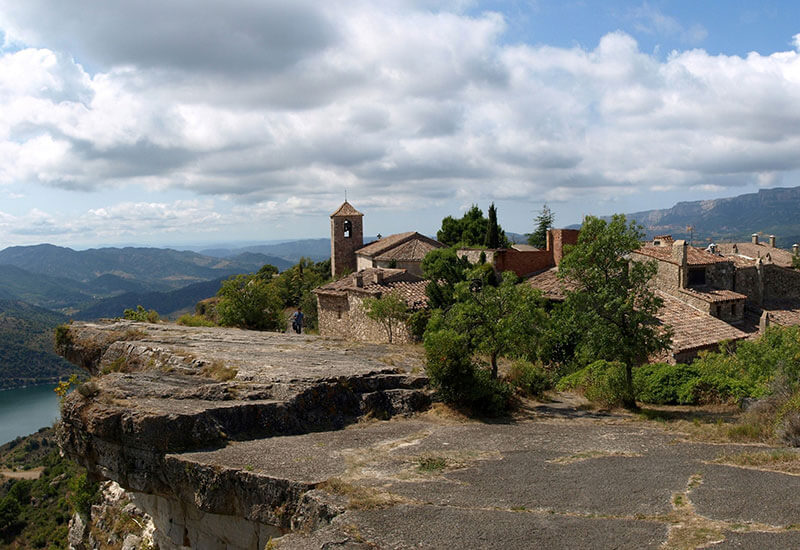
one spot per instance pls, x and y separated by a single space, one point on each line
347 236
340 304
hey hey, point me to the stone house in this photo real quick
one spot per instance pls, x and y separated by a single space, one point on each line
340 303
389 265
721 293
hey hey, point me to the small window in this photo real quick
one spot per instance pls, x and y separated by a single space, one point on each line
697 277
339 313
348 228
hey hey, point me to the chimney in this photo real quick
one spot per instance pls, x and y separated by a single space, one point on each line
679 252
764 322
378 277
754 238
772 241
796 249
359 278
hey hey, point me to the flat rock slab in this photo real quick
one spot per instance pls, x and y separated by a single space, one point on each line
579 483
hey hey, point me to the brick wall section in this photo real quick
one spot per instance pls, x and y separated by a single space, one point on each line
522 262
557 239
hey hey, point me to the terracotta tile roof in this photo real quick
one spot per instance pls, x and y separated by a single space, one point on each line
713 295
749 252
408 286
413 250
346 209
694 255
548 282
385 244
691 328
524 247
784 312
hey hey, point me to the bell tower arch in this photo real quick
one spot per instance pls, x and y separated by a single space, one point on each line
347 236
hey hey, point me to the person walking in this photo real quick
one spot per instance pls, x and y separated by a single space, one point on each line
297 320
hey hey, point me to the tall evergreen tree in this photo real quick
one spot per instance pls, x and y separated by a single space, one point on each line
492 230
544 221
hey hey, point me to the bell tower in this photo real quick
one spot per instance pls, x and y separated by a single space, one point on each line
347 236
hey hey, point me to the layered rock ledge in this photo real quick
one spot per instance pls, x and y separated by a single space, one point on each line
164 389
312 445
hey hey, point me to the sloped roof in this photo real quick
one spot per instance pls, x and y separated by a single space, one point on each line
713 295
346 209
694 255
413 251
410 287
783 312
383 245
548 282
750 252
691 328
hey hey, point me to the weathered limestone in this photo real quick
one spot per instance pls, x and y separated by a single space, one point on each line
158 397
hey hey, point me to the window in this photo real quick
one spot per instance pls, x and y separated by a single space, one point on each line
348 228
697 276
339 313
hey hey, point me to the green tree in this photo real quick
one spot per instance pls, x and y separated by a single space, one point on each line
469 230
544 221
141 315
388 310
267 271
444 269
492 229
612 301
497 320
248 301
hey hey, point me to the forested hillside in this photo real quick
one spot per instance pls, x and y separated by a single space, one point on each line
26 345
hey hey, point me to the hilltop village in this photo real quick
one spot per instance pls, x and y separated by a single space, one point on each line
720 293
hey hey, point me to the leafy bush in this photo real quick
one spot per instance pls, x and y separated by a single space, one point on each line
248 301
457 379
530 378
190 320
602 382
141 315
82 494
665 384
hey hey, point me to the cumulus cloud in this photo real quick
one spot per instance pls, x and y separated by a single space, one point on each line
281 105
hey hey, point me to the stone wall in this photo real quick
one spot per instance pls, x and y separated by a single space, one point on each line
747 281
720 275
473 255
667 275
343 249
412 267
780 283
362 262
366 330
333 313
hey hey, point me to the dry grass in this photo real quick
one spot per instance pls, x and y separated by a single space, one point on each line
358 497
219 371
778 460
588 455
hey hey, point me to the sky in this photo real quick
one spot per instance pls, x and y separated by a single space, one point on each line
197 122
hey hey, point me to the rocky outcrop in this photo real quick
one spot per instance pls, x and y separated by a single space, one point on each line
162 391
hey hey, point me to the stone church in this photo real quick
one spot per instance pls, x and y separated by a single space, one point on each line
388 265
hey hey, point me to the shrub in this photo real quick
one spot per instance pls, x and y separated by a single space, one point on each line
665 384
602 382
529 378
190 320
457 379
141 315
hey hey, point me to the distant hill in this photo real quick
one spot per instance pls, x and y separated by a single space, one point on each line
768 212
165 303
290 251
26 345
42 290
156 268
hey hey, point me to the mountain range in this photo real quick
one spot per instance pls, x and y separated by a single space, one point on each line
734 219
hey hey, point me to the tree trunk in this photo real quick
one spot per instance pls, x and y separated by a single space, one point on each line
494 365
629 400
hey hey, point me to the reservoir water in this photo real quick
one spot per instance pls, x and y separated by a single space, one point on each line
25 410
